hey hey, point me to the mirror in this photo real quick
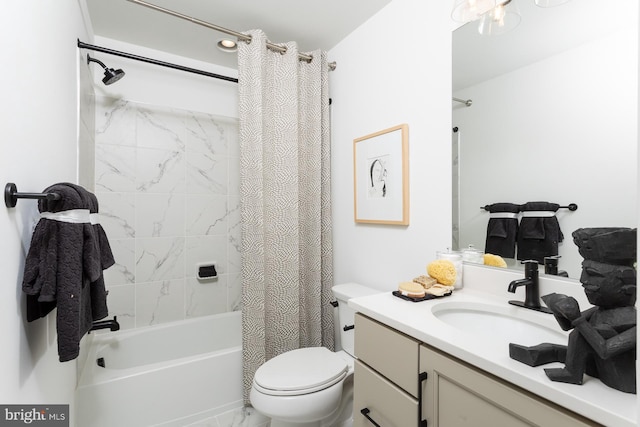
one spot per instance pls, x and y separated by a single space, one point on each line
554 117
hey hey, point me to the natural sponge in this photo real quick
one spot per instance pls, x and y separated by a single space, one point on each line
494 260
443 271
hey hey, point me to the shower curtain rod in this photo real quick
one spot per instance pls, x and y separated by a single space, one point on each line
238 35
83 45
466 102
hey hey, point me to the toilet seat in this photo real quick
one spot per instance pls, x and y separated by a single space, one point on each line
301 371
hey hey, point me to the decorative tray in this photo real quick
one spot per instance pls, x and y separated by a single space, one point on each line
418 299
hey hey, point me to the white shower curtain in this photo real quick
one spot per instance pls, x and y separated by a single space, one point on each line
285 202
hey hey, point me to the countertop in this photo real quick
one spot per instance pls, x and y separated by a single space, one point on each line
488 286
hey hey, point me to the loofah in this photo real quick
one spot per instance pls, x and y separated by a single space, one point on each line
439 290
494 260
443 271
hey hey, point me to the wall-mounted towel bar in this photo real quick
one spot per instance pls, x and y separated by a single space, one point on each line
11 195
570 206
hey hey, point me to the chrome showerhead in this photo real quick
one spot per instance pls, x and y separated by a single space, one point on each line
110 75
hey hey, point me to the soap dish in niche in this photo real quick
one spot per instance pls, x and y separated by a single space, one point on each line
418 299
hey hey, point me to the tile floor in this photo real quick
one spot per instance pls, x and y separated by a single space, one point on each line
241 417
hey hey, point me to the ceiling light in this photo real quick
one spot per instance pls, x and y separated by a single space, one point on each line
550 3
470 10
499 20
227 45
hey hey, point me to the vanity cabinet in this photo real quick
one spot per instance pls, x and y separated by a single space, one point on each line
458 394
386 371
401 382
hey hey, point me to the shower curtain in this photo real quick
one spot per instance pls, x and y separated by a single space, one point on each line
285 203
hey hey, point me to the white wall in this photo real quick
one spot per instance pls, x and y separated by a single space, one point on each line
152 84
580 138
39 132
395 68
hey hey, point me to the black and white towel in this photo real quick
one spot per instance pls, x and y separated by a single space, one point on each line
502 229
64 266
540 232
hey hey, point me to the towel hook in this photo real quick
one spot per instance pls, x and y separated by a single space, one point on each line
11 195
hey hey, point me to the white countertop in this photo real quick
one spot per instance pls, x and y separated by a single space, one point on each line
592 399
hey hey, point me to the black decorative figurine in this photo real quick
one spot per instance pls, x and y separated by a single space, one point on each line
603 341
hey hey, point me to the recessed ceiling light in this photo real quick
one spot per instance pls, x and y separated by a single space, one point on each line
227 45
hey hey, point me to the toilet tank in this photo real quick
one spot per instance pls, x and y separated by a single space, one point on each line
343 293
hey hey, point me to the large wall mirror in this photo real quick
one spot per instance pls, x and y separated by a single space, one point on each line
554 117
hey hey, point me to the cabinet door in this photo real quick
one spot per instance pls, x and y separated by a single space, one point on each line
388 405
459 395
391 353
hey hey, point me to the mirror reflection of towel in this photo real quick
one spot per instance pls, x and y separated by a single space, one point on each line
539 232
502 229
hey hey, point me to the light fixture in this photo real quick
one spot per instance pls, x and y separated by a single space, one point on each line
470 10
227 45
500 19
550 3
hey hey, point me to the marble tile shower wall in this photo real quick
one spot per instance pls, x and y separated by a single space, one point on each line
168 185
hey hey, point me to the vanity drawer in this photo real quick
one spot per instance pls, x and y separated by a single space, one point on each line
392 354
388 405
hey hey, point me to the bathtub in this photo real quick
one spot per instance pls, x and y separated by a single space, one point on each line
169 375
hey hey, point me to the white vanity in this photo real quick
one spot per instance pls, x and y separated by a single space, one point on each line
446 361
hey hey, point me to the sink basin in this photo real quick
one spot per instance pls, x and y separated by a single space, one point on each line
505 324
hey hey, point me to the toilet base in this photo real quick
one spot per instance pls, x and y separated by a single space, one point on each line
343 416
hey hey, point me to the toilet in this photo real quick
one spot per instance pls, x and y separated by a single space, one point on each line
313 386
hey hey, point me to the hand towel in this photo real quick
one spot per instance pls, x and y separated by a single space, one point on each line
540 232
502 229
64 260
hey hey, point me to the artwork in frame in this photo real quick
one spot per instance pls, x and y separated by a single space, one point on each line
381 177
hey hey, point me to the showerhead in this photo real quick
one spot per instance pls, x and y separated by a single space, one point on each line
110 75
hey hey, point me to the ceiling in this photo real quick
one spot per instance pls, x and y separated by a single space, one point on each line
312 24
542 32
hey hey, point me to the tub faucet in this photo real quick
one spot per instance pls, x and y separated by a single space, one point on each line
112 325
532 292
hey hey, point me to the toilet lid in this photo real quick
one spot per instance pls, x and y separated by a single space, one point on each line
300 371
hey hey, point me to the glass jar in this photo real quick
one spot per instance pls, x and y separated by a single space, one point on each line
471 254
456 260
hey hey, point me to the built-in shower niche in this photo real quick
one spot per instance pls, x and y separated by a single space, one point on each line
168 185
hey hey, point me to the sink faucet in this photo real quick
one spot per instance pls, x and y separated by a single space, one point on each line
551 266
532 292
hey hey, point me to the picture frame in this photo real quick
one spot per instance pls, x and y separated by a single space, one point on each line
381 177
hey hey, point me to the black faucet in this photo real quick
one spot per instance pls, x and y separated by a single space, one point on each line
113 325
551 266
530 281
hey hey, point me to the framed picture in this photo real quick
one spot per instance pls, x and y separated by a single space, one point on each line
381 177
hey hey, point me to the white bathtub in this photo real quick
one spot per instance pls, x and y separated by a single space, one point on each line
169 375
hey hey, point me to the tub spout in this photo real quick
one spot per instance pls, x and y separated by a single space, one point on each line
112 325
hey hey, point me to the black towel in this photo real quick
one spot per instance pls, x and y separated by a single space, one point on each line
502 232
539 235
64 261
